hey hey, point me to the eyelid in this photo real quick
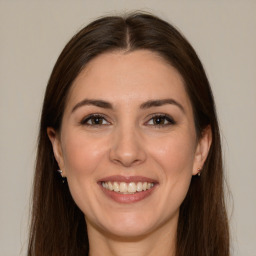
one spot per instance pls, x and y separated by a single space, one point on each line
94 115
169 118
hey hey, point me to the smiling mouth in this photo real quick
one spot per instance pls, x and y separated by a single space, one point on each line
127 187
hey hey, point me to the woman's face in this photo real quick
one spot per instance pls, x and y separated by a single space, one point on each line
128 144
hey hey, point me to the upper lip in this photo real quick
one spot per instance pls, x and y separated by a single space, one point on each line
127 179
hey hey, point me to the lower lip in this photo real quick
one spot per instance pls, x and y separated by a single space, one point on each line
128 198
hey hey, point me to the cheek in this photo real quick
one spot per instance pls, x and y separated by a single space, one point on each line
81 154
175 154
175 157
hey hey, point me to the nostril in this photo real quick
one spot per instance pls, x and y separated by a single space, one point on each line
127 158
125 161
126 148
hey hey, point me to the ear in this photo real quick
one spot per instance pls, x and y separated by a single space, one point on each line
202 149
56 146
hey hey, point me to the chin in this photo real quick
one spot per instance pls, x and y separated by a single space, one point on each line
122 225
132 231
133 226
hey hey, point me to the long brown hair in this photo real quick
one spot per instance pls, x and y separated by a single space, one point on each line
58 226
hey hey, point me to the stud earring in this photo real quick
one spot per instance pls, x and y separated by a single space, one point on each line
198 172
60 172
63 178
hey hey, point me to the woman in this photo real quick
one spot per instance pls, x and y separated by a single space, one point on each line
129 156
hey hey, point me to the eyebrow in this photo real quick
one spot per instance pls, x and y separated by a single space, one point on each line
97 103
145 105
158 103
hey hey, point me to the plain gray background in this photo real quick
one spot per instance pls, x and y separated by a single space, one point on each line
32 34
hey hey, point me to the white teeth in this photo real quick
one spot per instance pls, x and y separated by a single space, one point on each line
127 188
139 186
116 187
144 185
123 187
132 187
110 186
148 186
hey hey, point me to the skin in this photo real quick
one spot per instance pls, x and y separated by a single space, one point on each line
129 142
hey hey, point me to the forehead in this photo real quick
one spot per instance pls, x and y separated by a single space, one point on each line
125 77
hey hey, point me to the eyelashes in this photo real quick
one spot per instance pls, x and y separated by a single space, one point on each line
155 120
160 120
95 120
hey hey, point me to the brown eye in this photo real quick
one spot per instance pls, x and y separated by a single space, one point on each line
161 120
95 120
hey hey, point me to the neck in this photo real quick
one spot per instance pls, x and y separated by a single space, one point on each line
161 242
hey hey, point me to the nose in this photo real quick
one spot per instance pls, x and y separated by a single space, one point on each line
127 147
